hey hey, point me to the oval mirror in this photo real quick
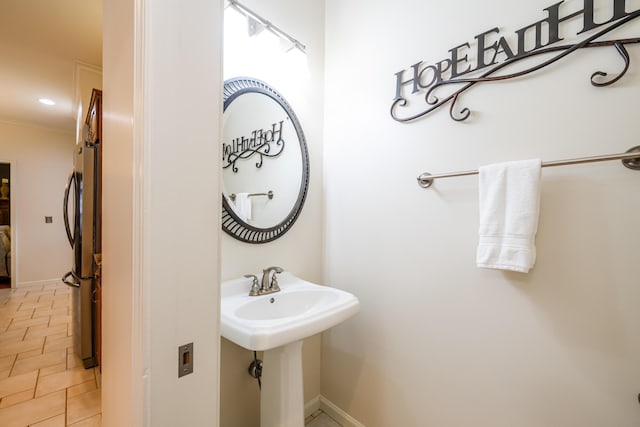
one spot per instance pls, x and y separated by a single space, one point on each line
265 162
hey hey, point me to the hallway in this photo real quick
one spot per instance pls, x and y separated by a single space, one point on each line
42 383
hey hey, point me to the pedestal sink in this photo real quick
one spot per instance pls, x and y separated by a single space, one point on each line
276 324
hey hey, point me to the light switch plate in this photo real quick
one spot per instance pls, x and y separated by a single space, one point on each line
185 359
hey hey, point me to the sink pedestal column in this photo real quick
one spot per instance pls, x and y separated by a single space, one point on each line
281 398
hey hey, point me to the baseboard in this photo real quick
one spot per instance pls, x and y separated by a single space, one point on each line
331 409
312 406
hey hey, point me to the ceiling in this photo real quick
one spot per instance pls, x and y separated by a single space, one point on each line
42 42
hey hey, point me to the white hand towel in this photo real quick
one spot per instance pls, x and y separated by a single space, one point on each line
243 206
509 206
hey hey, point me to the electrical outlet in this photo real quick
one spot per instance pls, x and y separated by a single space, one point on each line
48 219
185 359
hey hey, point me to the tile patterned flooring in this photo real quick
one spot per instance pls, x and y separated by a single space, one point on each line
42 382
320 419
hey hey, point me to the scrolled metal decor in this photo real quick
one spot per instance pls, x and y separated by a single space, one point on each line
451 71
263 143
259 142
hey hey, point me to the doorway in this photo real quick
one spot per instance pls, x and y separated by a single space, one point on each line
5 225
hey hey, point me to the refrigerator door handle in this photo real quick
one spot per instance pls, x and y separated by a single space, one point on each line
70 282
65 209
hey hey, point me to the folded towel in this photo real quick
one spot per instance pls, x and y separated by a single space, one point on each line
243 206
509 206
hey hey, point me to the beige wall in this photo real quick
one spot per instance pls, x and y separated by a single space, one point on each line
300 249
439 342
43 159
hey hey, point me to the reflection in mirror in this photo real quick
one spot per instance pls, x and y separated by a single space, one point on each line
265 162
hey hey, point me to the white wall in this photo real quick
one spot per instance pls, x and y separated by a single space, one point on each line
43 161
161 275
439 342
300 249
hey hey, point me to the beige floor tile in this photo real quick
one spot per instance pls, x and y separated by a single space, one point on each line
54 369
38 362
60 319
73 361
12 335
44 331
9 303
27 304
6 362
95 421
83 406
60 303
22 317
33 411
58 421
32 305
36 349
51 312
31 353
24 311
47 293
26 295
10 307
58 343
21 347
18 383
19 324
81 388
7 313
63 380
13 399
55 337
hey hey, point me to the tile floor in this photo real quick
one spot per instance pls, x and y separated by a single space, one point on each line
42 383
320 419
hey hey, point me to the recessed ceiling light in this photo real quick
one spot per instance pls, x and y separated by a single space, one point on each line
46 101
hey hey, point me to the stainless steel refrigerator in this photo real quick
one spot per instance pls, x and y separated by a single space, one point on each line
83 221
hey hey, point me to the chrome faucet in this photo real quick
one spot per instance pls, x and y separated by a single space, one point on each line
269 286
269 282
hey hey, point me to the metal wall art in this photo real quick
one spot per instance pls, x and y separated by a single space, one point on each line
260 142
494 52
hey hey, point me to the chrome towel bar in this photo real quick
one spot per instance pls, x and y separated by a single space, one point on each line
269 194
630 159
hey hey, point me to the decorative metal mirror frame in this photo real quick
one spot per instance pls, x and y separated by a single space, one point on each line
231 223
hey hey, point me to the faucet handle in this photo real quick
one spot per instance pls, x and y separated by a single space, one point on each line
274 281
273 286
255 287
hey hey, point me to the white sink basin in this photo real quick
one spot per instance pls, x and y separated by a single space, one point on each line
299 310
